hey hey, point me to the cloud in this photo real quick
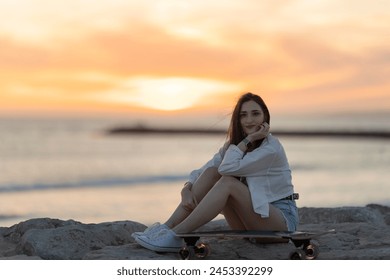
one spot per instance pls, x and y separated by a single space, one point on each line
297 53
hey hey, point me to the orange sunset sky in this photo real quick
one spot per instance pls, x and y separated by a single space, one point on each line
150 57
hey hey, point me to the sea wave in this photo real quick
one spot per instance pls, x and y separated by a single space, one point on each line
100 183
112 181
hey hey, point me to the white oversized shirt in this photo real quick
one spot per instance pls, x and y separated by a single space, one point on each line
266 170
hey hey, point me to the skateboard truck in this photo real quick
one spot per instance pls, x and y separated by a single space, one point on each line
310 250
191 249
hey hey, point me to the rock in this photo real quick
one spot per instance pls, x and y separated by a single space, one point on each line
361 233
341 215
62 240
20 258
127 252
384 210
15 232
6 248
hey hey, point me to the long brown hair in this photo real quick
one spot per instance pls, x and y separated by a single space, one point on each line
236 133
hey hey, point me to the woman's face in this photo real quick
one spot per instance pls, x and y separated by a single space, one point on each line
251 117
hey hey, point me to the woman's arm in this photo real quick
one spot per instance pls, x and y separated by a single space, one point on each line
255 163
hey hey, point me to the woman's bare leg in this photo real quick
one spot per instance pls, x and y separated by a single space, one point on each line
200 188
231 216
230 189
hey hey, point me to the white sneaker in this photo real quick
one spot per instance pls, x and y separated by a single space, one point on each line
150 230
163 241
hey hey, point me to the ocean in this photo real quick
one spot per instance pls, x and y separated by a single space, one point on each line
72 169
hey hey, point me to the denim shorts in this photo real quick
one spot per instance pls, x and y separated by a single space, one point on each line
290 213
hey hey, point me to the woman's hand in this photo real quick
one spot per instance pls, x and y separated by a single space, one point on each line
188 199
261 133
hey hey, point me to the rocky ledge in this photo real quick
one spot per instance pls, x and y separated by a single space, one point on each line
360 233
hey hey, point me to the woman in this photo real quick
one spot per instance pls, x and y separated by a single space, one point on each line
248 181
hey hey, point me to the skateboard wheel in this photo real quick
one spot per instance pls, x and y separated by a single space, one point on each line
186 253
312 250
202 250
298 255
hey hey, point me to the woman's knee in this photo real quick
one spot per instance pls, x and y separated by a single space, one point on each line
228 182
205 182
212 173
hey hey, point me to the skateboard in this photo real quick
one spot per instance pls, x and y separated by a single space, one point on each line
306 247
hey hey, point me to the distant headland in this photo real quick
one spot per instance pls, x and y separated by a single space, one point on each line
210 131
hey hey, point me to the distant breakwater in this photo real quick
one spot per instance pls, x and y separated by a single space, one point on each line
295 133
